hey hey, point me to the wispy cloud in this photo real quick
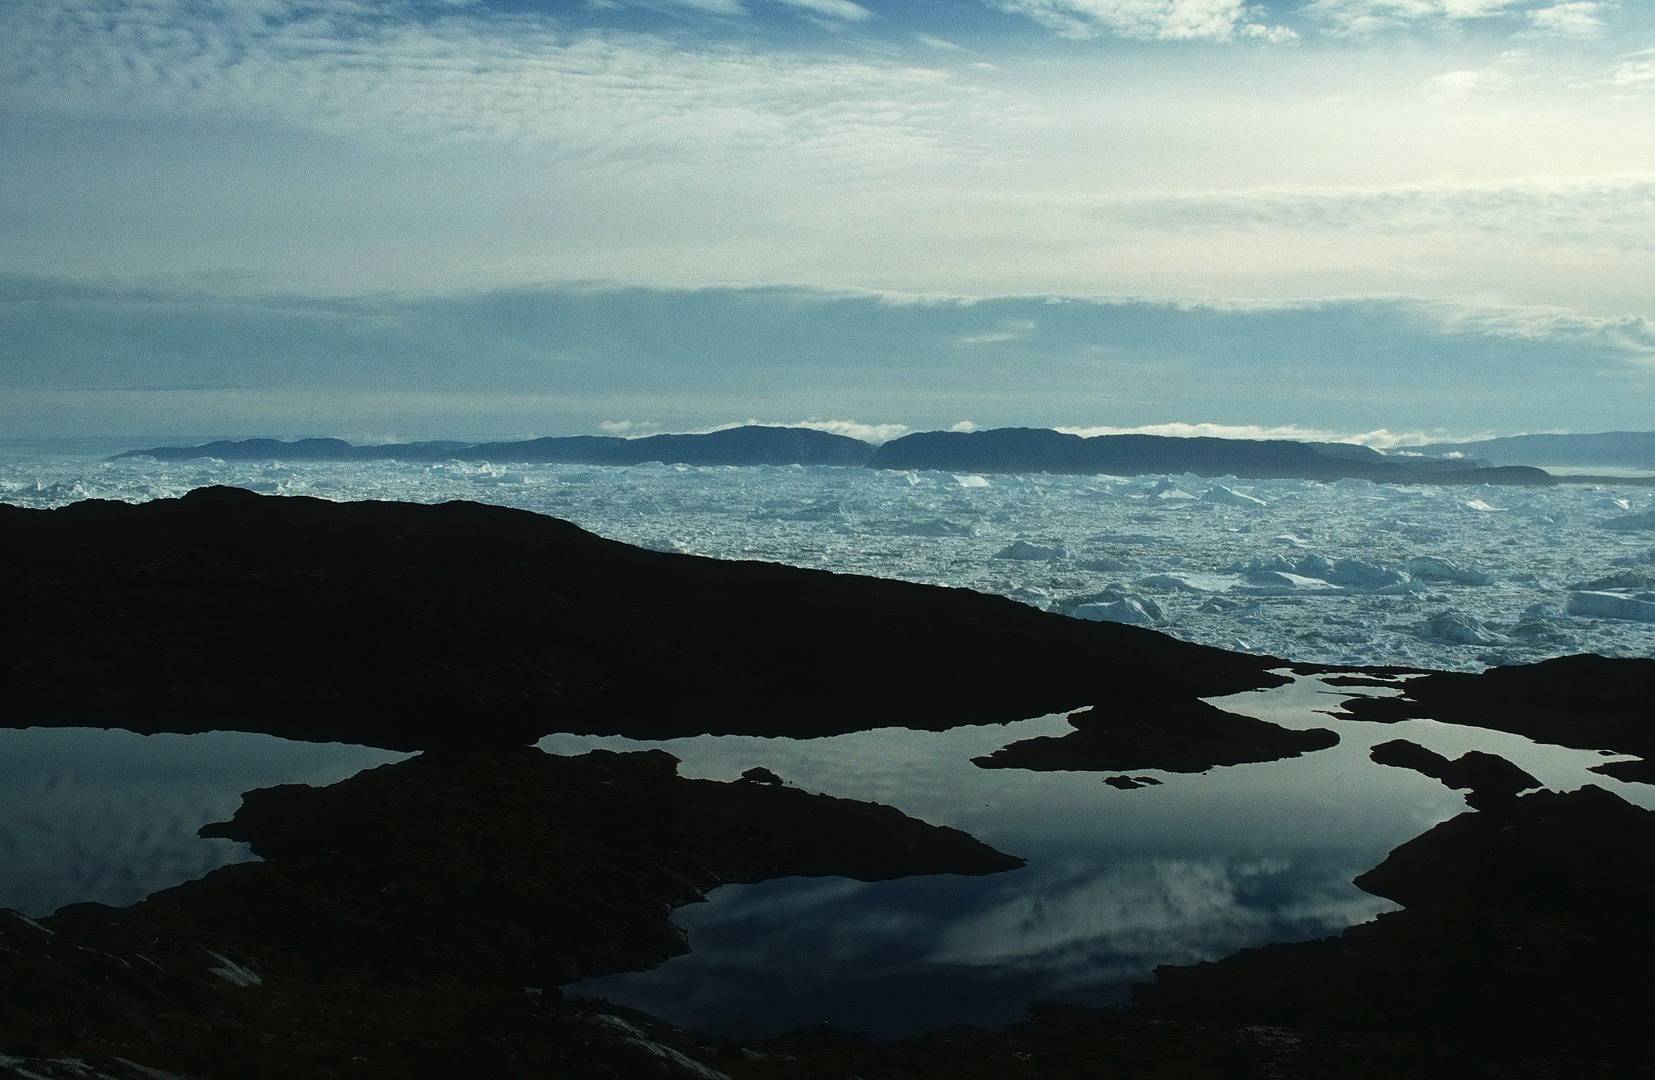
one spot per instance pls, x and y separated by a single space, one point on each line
1381 439
855 429
1004 333
1568 17
1152 20
629 361
1573 18
460 76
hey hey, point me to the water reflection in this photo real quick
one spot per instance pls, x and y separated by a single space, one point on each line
111 816
1117 882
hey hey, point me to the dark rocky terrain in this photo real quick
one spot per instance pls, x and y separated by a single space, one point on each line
411 627
1171 734
1587 702
1524 947
416 919
1487 777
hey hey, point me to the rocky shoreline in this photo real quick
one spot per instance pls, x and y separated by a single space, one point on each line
417 918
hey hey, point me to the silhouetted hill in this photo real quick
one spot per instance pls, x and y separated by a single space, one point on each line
1044 450
414 626
1003 450
752 445
1608 449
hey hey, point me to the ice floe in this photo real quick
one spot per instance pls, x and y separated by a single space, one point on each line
1030 551
1613 605
1431 568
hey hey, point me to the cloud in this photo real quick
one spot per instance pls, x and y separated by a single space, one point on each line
1469 81
1630 334
1634 71
854 429
1002 334
832 9
1357 17
1150 20
1380 439
628 429
1573 18
88 359
399 72
1615 211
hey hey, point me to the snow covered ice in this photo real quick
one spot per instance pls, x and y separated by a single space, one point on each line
1346 572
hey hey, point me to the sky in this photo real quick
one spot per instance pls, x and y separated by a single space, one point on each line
1351 218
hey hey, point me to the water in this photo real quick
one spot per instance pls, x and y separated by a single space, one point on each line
111 816
1200 556
1117 882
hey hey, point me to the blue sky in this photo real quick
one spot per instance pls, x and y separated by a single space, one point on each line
420 218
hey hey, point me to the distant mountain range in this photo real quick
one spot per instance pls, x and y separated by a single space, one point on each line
732 446
1044 450
1000 450
1608 449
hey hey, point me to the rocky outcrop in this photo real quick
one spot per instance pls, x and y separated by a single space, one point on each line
1488 777
1173 735
1524 942
1587 702
410 627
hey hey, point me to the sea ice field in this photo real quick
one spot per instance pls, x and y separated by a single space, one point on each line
1349 572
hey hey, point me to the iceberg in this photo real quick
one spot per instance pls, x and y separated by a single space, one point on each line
1356 574
1281 581
1611 605
1134 610
1031 552
1632 522
1224 496
1459 629
1431 568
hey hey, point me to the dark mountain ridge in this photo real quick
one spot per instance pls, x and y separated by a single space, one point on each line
1001 450
1044 450
750 445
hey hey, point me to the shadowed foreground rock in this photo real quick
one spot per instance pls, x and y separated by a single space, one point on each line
1169 734
1587 702
1525 940
1488 777
402 913
419 626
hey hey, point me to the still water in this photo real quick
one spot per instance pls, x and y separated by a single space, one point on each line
1117 882
111 816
